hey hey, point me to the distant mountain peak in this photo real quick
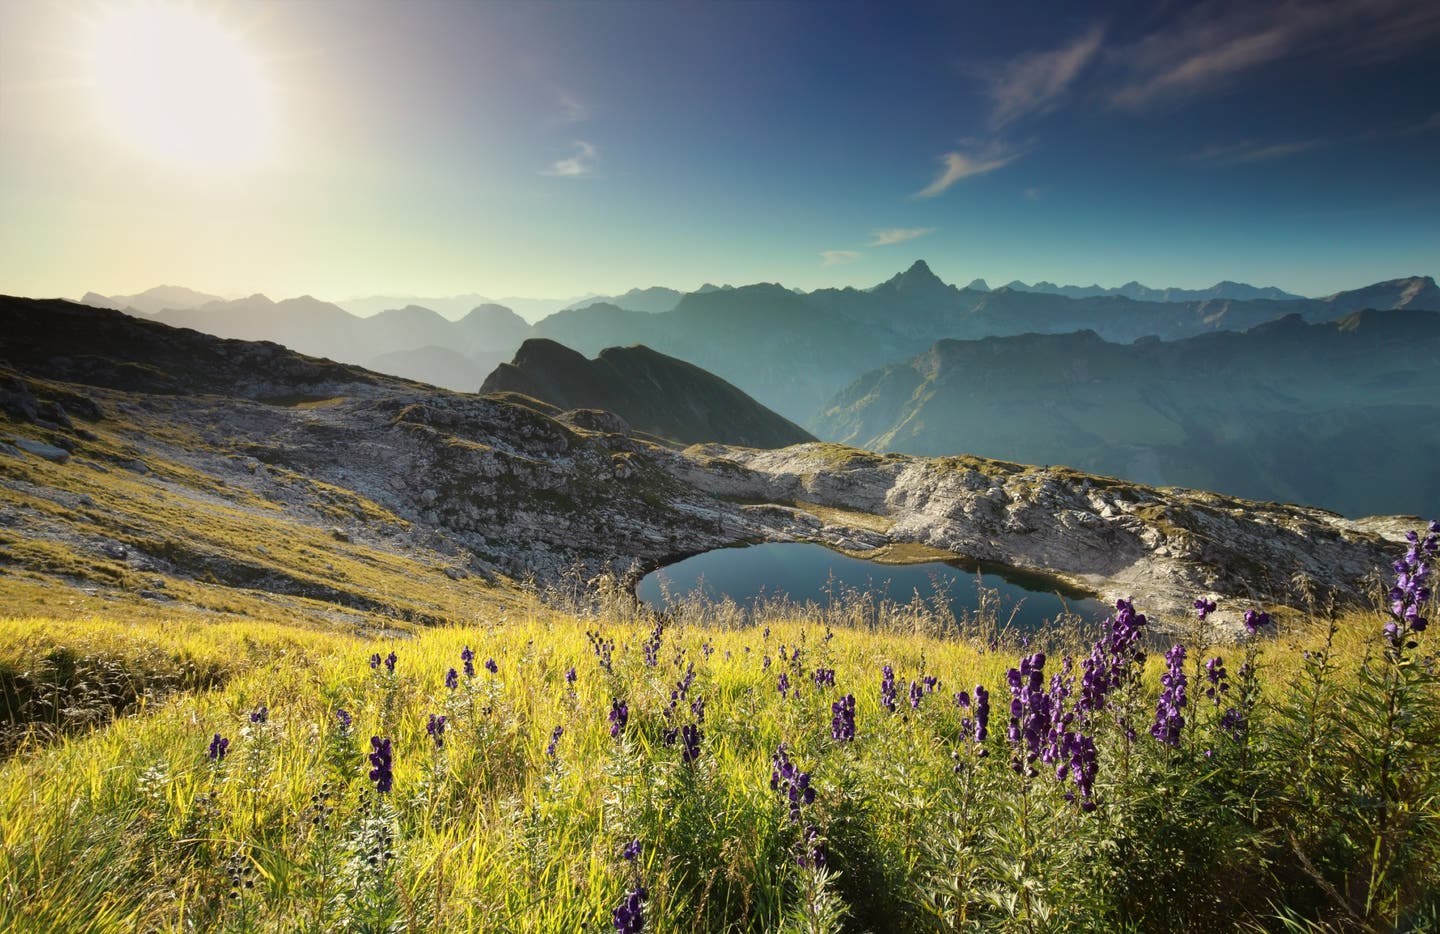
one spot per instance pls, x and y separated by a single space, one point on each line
918 277
979 285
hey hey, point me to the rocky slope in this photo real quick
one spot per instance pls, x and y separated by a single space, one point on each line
254 435
654 393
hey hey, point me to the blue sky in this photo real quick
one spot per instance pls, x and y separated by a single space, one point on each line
556 149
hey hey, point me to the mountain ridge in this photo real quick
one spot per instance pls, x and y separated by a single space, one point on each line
653 392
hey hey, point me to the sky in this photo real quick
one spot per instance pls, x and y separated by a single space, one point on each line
342 149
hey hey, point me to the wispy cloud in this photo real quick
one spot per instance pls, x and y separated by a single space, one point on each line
578 165
1033 194
571 108
1034 83
1250 151
957 165
1425 126
838 257
1216 41
892 235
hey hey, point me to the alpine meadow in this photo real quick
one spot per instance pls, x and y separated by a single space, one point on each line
550 491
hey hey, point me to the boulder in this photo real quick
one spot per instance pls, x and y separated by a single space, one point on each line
40 449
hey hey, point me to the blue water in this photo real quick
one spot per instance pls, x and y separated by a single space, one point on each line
808 572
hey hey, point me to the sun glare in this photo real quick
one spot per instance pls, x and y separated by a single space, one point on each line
177 85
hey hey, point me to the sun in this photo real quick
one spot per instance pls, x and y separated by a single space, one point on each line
177 85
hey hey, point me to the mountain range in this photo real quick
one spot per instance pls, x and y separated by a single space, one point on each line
652 392
790 351
1226 290
1343 414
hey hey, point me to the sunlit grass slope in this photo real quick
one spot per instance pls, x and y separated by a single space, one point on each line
258 793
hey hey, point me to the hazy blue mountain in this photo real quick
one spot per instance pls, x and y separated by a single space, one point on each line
1234 291
438 366
405 328
151 301
655 300
304 324
492 328
1343 414
454 307
414 342
653 392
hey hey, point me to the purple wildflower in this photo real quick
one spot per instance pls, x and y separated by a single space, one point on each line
627 917
631 851
690 737
619 716
452 679
824 677
765 663
219 746
1204 608
842 721
1255 620
602 647
390 661
570 675
782 684
554 739
1169 720
916 694
651 646
887 688
467 655
787 779
381 764
260 714
808 851
375 662
435 729
343 716
982 714
1411 591
491 667
1218 678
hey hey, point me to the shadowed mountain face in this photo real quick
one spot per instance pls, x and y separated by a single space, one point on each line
1344 414
654 393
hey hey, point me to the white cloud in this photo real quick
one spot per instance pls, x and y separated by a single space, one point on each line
892 235
958 165
1034 83
1215 41
1249 151
838 257
580 164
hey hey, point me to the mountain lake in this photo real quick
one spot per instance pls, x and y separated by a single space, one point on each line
813 573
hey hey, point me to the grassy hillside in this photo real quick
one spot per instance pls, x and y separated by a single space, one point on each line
1308 790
